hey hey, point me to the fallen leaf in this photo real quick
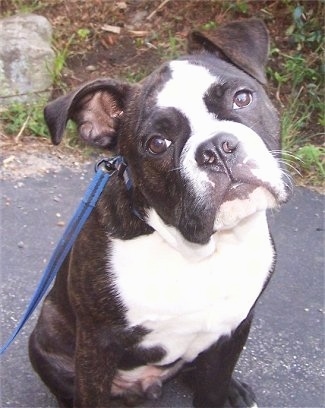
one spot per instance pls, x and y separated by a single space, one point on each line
138 33
111 29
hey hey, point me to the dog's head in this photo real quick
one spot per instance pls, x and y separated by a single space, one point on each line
200 135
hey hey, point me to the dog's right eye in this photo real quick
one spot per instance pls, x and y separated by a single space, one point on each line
242 99
158 144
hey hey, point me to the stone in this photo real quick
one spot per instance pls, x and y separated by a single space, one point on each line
26 58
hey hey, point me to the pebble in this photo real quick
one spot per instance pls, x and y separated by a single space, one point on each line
21 244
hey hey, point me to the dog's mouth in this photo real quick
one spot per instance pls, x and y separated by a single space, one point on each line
242 190
241 200
198 218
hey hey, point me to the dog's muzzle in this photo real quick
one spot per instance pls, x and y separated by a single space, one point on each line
218 153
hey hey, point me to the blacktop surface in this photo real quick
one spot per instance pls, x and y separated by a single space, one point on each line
284 357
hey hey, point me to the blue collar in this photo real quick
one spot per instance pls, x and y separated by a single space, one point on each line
118 164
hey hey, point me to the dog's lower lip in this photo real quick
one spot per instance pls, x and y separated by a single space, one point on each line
245 190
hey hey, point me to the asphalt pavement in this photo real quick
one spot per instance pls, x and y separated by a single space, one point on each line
284 357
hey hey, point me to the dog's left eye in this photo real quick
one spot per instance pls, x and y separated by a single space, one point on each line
158 145
242 99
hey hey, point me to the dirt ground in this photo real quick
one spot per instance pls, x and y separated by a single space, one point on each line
128 39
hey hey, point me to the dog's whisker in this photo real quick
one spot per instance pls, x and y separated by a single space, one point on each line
286 155
289 181
174 169
290 166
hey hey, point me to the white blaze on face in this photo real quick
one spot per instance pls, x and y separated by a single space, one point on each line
185 92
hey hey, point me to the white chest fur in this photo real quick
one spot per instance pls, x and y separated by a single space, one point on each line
188 305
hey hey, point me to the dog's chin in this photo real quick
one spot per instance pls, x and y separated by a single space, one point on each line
242 201
171 235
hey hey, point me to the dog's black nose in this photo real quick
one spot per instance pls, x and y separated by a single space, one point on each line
218 150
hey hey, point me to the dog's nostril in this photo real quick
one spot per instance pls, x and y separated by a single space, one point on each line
213 152
209 157
228 147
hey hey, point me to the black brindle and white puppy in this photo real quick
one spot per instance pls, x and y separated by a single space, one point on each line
166 274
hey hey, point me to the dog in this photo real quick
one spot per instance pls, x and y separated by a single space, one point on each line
166 273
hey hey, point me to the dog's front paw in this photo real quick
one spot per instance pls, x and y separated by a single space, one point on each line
240 395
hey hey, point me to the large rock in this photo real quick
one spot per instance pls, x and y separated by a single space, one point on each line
26 58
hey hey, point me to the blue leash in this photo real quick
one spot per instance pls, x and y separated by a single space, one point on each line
104 169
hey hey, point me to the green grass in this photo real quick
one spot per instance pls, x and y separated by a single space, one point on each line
172 48
60 62
300 87
132 76
313 158
28 119
21 119
27 7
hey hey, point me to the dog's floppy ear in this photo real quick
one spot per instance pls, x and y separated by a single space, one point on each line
96 107
244 43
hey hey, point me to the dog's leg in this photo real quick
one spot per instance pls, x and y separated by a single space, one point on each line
95 366
214 386
240 395
55 368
